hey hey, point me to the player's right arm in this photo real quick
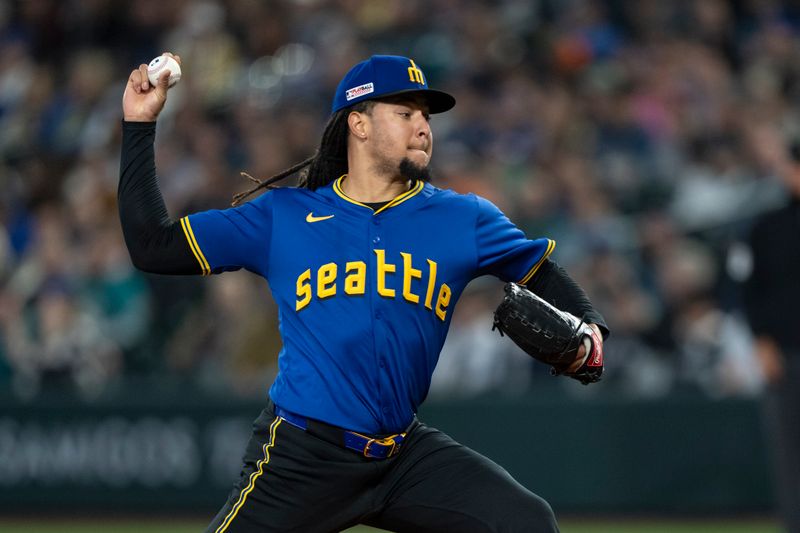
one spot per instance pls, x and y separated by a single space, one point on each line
154 241
202 243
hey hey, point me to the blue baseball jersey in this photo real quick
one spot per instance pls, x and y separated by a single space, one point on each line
365 297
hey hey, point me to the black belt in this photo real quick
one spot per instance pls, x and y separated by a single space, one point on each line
373 447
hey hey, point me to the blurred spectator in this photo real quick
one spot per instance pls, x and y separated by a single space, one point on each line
771 293
475 358
230 343
56 346
713 347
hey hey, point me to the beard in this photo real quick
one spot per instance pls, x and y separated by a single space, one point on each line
412 171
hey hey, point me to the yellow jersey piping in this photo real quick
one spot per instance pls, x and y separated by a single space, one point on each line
403 197
198 253
415 189
337 188
253 477
551 244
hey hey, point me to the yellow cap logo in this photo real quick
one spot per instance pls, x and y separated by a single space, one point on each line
415 74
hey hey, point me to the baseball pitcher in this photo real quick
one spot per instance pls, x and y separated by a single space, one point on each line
366 260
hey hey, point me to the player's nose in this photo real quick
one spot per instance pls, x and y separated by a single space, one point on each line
423 126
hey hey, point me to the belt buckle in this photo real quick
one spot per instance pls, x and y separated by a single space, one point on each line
381 442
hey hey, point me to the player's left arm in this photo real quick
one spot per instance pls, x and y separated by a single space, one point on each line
555 286
505 251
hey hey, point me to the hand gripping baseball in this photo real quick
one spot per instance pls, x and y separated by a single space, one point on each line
557 338
143 101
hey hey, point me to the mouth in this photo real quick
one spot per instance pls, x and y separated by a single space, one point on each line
421 153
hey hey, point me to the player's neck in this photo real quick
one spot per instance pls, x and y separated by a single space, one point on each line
370 188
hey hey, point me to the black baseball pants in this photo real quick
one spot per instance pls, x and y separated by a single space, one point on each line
295 481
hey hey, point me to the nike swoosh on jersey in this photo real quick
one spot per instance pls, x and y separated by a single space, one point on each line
311 218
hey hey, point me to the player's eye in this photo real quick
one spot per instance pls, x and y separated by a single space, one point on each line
405 114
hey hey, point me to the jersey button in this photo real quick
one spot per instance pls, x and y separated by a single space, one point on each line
376 240
382 363
378 315
376 221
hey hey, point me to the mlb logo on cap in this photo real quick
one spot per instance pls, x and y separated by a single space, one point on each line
381 76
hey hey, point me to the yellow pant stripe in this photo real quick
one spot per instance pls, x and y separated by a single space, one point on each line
550 247
198 254
253 477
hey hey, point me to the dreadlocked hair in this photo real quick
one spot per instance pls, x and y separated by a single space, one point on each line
328 162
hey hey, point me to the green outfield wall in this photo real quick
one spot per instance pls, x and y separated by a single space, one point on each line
148 450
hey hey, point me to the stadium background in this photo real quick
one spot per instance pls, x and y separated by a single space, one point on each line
642 136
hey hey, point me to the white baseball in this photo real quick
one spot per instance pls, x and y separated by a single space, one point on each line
159 65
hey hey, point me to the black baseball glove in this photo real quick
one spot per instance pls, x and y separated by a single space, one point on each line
548 334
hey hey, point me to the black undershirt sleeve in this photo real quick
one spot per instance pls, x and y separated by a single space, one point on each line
553 284
155 242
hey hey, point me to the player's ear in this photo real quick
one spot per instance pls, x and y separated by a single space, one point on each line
358 124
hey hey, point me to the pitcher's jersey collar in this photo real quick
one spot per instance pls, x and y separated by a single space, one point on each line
336 188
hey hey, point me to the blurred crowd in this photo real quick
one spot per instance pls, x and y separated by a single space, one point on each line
642 136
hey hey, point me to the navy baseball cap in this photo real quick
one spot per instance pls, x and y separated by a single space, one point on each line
381 76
